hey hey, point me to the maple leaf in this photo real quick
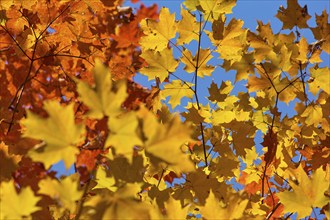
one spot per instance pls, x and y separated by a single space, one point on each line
199 60
301 51
58 131
100 99
293 15
158 34
104 181
17 205
123 133
320 79
307 194
159 64
124 204
270 142
313 115
187 28
215 209
177 90
191 4
193 115
233 41
243 68
321 32
164 141
64 192
173 210
219 94
217 7
9 161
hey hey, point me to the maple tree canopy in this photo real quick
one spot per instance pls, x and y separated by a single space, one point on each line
68 96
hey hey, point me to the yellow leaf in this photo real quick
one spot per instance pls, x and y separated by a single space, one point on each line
222 116
321 32
313 115
17 205
165 141
104 181
233 41
250 156
215 209
123 134
259 120
177 90
58 131
243 67
301 51
188 28
307 194
191 4
320 80
293 15
174 210
217 7
203 57
158 34
5 4
124 204
159 64
100 99
65 192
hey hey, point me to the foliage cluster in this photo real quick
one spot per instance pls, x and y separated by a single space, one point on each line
67 94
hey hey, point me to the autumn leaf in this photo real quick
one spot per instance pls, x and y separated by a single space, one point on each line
187 28
191 4
216 209
122 205
64 192
307 193
199 61
320 79
9 161
159 64
164 141
293 15
193 115
313 115
321 32
59 132
158 34
88 158
123 134
232 41
104 181
177 90
173 210
17 205
217 7
270 142
100 99
219 94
